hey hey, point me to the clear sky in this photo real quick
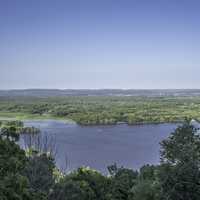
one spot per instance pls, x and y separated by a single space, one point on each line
99 44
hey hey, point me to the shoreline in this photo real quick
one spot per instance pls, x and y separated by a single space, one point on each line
29 117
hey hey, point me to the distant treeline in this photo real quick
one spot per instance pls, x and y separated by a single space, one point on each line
99 92
93 110
31 174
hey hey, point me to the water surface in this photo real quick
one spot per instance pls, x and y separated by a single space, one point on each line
100 146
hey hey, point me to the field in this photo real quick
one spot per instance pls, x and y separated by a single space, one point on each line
96 110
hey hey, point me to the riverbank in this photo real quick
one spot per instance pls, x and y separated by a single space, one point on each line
8 116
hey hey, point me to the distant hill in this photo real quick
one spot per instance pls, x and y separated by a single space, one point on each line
100 92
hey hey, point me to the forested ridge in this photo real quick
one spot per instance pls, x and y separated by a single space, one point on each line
31 174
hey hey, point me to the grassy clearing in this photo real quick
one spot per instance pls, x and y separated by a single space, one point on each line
26 116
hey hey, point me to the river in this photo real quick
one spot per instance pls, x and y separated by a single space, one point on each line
100 146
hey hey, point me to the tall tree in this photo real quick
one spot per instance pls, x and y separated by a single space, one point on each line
180 172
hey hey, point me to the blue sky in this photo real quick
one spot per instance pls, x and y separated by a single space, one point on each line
99 44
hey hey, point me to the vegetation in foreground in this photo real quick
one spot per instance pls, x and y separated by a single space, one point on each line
32 174
97 110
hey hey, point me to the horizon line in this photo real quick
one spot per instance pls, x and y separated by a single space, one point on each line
12 89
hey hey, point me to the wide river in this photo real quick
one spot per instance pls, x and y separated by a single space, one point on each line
100 146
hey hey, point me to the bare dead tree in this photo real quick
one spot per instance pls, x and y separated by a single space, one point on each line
65 167
41 143
44 143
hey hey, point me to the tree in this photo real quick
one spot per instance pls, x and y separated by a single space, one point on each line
147 186
96 181
39 172
12 160
82 184
145 190
68 189
148 172
121 182
13 184
179 173
10 132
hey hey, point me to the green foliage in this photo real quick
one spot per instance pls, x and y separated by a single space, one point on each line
16 123
82 184
182 146
97 182
10 132
148 172
145 190
12 160
147 186
33 176
91 110
14 185
121 182
72 190
180 173
13 129
39 172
